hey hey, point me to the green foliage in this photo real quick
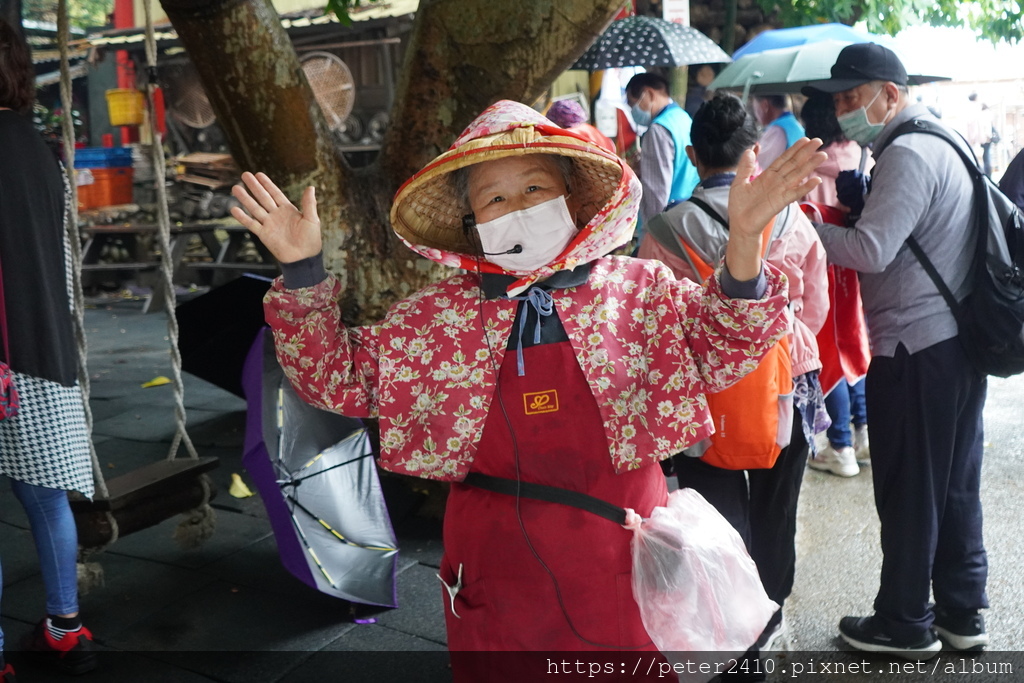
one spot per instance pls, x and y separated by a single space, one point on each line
991 19
994 19
81 13
342 7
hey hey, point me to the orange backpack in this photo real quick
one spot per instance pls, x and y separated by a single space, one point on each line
754 417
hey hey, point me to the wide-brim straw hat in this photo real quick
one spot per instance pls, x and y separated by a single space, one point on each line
428 210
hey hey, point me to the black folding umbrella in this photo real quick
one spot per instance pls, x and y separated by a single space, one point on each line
650 41
316 475
216 329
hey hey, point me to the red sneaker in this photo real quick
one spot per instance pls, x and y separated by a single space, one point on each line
72 654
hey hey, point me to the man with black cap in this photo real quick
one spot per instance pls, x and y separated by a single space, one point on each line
924 398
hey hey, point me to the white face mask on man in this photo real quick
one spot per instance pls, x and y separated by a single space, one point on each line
857 127
528 239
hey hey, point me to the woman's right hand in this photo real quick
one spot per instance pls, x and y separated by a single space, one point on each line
290 235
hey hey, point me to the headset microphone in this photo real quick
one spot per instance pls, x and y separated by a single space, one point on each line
468 225
518 249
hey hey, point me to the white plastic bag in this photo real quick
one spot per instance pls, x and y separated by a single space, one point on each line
695 584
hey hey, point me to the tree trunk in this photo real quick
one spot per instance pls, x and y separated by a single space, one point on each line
729 27
463 55
256 86
466 54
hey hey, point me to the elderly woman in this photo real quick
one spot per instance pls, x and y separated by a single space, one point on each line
544 362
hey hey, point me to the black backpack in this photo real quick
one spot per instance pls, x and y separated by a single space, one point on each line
991 318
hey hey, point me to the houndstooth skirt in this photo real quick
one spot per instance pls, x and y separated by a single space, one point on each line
47 443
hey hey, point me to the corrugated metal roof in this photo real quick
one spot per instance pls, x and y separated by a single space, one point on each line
47 26
294 14
43 56
160 33
54 76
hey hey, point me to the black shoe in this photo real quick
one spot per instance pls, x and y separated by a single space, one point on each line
962 630
864 633
72 654
773 636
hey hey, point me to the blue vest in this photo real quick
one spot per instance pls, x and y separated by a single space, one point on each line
788 123
676 121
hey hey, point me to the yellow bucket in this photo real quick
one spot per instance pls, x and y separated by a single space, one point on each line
125 106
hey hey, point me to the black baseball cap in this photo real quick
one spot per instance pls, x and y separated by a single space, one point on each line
858 64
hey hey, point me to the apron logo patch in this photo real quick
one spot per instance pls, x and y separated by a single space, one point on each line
541 402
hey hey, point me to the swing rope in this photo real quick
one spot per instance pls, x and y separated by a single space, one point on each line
200 521
74 238
73 234
164 233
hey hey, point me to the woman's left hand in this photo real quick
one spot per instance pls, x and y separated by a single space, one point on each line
753 203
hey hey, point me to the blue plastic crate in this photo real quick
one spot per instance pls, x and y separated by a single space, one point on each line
103 157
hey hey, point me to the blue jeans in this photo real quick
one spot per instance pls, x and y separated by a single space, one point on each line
56 540
845 403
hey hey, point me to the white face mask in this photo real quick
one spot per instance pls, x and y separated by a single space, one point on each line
856 126
528 239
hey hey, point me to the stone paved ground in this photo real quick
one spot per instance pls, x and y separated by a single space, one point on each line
229 612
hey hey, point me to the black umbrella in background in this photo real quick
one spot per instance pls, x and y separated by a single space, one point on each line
215 330
649 41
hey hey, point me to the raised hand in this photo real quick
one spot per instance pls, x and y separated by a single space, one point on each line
752 203
290 235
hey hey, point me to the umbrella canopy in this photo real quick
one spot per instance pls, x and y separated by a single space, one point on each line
801 35
216 329
316 475
787 70
649 41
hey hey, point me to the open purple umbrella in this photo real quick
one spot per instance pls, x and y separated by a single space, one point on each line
316 475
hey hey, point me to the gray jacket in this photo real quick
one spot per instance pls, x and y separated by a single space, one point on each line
919 187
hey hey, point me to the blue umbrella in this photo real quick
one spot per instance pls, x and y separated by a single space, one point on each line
801 35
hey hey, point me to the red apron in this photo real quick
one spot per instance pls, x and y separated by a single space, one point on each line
508 601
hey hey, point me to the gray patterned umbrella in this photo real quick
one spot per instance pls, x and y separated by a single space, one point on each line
649 41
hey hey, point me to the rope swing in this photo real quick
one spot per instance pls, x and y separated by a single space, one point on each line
155 492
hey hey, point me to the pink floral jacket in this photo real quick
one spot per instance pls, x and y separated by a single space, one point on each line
649 345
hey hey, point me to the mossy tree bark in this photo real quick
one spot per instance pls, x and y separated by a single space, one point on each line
462 56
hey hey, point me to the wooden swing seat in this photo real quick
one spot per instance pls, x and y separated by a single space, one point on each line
142 498
158 491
